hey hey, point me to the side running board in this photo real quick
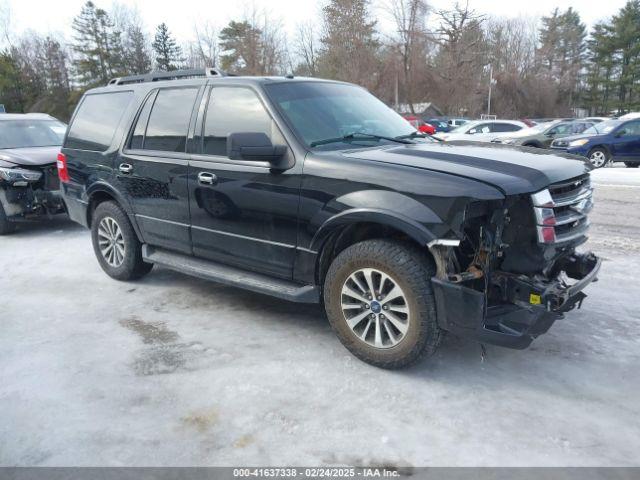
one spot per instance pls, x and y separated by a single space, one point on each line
232 276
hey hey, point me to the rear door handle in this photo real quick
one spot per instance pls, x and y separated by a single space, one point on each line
207 178
125 168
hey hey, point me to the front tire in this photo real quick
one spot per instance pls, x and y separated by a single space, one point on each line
599 157
379 300
116 244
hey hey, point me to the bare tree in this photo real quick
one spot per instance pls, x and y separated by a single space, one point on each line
205 50
410 42
136 44
306 49
461 56
5 23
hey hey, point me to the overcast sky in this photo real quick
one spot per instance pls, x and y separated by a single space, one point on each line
55 16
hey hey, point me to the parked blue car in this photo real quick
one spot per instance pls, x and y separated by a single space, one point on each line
609 141
439 124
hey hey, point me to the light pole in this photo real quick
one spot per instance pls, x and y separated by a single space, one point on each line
490 84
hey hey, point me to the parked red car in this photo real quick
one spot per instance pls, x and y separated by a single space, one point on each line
420 124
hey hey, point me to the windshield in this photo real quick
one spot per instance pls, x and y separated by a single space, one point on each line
602 127
31 133
319 111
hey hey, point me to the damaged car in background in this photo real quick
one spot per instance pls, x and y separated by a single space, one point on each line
29 185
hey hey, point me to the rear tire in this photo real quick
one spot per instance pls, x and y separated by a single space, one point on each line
6 227
632 164
385 330
116 244
599 157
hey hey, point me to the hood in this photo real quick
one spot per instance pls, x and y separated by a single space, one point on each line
513 170
30 156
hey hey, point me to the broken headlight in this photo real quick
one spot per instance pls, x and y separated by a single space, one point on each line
19 175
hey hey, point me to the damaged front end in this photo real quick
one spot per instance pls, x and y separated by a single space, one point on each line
516 270
29 193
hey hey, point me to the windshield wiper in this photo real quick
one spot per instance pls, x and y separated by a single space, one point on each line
418 134
357 136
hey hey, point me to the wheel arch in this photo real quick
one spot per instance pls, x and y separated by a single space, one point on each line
353 226
102 192
602 146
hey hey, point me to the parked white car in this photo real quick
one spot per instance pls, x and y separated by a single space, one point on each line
482 130
630 116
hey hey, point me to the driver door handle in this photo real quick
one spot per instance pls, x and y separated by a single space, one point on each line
206 178
125 168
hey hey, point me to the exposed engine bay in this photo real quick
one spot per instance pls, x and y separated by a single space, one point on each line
516 269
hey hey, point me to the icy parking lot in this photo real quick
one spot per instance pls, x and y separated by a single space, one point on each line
172 370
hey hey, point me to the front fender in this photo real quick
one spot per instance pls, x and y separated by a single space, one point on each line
384 207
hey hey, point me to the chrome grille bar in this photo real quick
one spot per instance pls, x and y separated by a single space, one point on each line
564 205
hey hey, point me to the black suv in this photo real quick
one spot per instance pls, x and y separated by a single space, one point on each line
315 191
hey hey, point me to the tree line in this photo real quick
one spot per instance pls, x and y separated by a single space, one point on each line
539 67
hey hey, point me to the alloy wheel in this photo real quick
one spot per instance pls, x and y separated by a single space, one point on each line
375 308
111 242
598 158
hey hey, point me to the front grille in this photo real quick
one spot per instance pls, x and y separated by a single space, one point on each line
561 211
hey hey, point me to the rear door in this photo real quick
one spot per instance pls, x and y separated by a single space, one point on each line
154 166
243 213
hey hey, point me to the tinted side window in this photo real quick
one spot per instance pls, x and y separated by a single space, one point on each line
232 110
505 127
141 124
169 120
480 128
96 121
631 129
580 127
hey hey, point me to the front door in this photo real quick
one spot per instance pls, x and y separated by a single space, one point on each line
626 145
243 213
153 167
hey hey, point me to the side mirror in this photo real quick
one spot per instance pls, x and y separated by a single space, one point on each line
620 133
472 131
253 146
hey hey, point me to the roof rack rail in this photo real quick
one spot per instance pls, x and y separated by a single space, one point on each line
160 75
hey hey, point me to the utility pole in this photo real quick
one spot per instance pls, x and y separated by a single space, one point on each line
490 84
396 92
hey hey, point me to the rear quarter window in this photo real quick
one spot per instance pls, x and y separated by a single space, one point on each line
96 121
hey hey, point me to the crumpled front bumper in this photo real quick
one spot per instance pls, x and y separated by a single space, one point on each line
25 203
527 307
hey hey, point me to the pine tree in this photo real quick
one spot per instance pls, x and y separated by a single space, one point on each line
11 87
626 41
349 44
562 51
613 70
168 52
97 46
242 45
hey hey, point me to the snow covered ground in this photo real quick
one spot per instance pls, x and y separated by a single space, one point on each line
172 370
